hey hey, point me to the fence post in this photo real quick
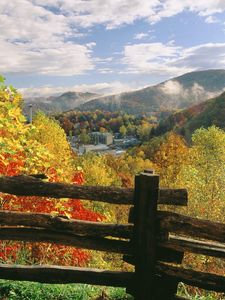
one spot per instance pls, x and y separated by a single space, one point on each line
145 209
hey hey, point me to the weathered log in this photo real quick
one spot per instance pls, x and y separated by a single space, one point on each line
48 236
173 197
65 225
30 186
162 254
193 227
202 280
78 227
209 248
59 274
145 211
167 287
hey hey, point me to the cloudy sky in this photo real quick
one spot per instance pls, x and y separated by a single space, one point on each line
107 46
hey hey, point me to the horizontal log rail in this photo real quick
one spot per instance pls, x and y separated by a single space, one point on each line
59 274
190 226
185 244
208 281
65 225
104 244
183 225
49 236
30 186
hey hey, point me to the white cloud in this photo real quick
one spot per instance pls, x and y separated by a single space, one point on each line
35 40
140 36
152 58
105 88
114 13
195 92
105 70
38 36
211 19
111 13
62 59
91 45
158 58
171 87
169 8
205 56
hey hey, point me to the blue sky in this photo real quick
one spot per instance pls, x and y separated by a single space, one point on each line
107 46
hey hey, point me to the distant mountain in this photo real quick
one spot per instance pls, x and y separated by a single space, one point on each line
64 102
177 93
205 114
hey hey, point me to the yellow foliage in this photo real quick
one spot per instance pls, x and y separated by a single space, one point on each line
169 159
52 137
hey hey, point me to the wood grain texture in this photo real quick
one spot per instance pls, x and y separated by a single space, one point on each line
208 248
59 274
23 185
145 209
193 227
208 281
65 225
167 287
48 236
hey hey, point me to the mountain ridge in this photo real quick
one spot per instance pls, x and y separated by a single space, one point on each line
205 114
63 102
176 93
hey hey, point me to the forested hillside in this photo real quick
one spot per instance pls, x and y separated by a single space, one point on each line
76 123
60 103
205 114
176 93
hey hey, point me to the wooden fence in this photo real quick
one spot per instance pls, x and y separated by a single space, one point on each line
154 241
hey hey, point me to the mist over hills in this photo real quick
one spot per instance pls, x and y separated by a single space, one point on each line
55 104
204 114
176 93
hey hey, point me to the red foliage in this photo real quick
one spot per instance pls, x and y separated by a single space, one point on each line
44 252
11 165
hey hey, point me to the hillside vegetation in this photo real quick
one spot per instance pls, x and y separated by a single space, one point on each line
63 102
176 93
205 114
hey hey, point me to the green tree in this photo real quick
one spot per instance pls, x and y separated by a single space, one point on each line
84 137
205 175
49 134
123 130
170 157
143 131
97 172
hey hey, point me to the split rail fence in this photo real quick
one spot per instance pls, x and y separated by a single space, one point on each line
154 241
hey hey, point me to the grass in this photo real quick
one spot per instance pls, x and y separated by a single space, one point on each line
198 294
17 290
22 290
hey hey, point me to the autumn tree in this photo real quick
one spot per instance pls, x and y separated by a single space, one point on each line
143 131
169 159
204 176
84 138
49 134
123 131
